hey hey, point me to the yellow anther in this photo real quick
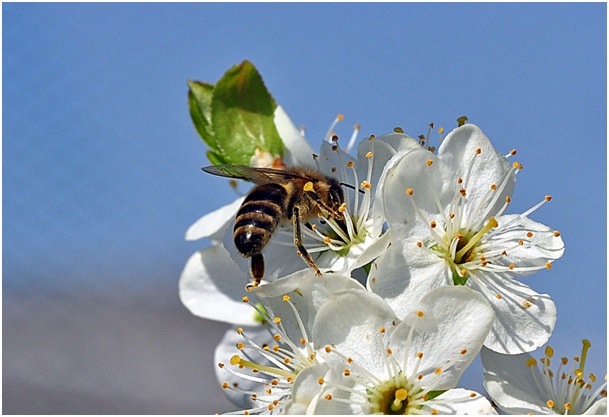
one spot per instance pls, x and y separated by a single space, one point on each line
531 362
420 313
398 130
463 351
350 164
275 382
548 197
429 162
245 299
438 371
548 265
401 394
515 165
369 154
328 349
340 117
420 244
287 361
440 130
494 187
235 360
513 152
320 381
473 395
433 224
389 351
508 199
335 148
366 185
277 319
498 296
334 138
420 376
302 341
347 372
277 337
512 266
530 235
327 240
549 352
567 406
550 403
286 298
342 208
328 397
382 330
556 233
463 192
419 355
478 151
239 331
240 346
225 385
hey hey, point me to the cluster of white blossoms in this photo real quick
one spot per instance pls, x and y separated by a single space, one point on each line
421 276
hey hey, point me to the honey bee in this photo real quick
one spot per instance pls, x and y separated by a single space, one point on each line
292 195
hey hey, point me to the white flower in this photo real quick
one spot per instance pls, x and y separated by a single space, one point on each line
377 364
447 226
212 283
518 385
273 358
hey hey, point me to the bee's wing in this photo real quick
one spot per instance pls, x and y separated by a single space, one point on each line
255 175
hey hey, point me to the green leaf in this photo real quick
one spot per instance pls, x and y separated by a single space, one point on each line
242 116
199 104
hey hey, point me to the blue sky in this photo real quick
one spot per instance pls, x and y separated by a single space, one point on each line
101 163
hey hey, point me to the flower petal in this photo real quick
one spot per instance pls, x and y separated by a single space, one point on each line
448 327
599 408
525 319
461 402
307 294
353 320
214 223
511 383
298 152
212 287
469 154
405 273
539 245
306 390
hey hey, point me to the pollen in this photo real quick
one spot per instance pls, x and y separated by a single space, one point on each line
369 154
420 313
308 186
429 162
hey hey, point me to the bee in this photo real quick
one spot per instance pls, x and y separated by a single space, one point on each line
281 196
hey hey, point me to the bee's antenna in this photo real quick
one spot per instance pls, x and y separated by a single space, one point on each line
351 186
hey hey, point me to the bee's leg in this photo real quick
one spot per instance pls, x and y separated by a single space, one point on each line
333 213
298 242
257 268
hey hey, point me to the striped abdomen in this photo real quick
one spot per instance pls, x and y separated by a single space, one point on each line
258 217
